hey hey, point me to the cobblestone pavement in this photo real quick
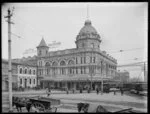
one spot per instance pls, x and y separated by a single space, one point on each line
109 101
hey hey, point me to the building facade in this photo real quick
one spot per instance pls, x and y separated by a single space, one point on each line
78 67
122 76
5 74
23 75
26 76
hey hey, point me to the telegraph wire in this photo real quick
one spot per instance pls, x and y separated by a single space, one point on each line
31 27
133 49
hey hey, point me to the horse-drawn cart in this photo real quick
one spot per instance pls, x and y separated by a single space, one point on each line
44 104
37 104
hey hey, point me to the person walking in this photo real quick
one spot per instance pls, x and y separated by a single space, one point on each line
97 90
67 91
121 91
48 91
114 92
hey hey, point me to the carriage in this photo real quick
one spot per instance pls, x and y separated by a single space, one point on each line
37 104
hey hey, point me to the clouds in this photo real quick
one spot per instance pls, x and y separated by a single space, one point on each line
120 25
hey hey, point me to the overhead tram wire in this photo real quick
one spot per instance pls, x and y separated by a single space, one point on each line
133 49
31 27
133 64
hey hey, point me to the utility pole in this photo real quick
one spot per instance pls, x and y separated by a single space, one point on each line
9 56
144 73
102 77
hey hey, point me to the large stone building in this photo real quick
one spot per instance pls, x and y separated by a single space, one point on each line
75 68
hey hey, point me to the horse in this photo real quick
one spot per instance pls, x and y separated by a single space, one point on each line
86 107
20 102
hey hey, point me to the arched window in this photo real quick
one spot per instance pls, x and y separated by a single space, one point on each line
25 71
47 64
71 62
20 70
62 63
54 64
34 72
54 70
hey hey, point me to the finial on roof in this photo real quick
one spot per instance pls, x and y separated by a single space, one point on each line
87 11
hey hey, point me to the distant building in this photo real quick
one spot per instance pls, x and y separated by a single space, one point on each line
122 76
23 74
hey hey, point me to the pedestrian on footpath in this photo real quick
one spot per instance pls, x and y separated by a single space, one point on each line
67 92
114 92
48 91
73 90
121 91
97 90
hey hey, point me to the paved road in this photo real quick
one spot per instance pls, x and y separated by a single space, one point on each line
109 101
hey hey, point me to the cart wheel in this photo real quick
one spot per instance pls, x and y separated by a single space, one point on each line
37 107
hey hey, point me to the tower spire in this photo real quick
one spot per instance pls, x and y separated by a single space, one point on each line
87 11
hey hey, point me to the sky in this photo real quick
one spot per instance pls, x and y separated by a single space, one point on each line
122 26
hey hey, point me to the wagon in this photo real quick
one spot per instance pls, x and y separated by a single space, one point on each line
44 104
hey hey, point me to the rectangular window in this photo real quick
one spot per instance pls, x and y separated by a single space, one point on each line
72 70
84 70
34 81
76 60
81 71
93 59
20 80
76 70
90 59
81 60
84 59
30 81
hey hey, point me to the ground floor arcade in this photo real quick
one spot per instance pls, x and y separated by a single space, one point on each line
70 85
